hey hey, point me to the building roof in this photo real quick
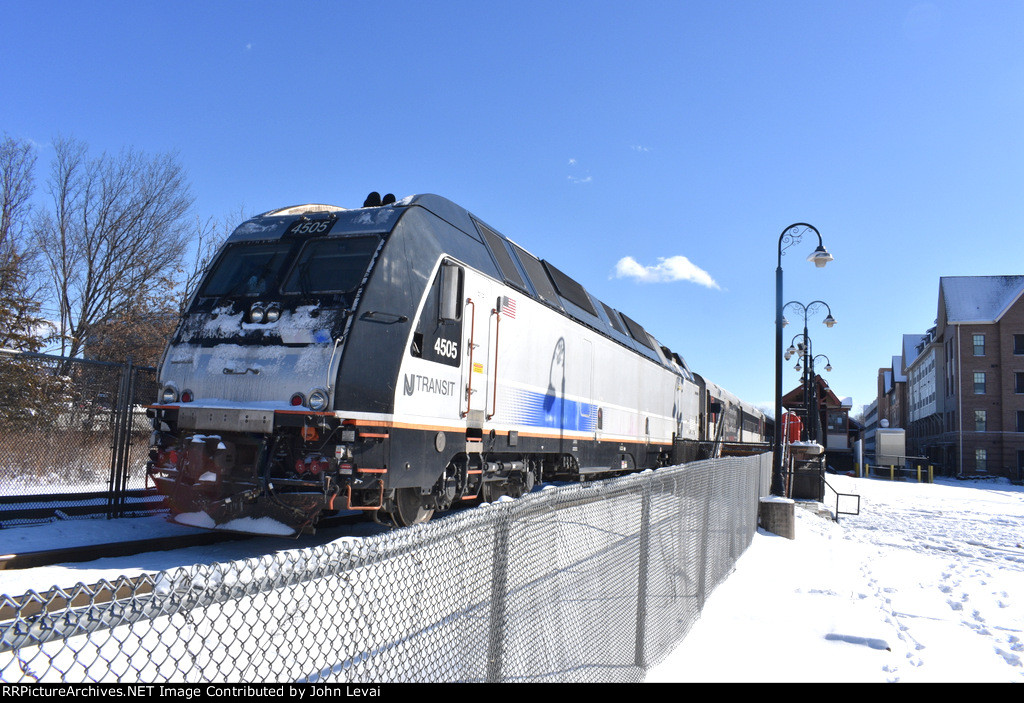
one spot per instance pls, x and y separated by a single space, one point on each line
978 298
795 396
897 370
911 342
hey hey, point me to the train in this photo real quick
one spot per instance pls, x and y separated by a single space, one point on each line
403 358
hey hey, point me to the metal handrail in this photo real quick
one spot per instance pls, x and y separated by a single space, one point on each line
838 495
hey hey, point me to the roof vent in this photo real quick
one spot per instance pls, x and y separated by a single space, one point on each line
303 210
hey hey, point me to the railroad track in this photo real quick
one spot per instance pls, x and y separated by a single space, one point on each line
30 509
31 560
48 557
57 600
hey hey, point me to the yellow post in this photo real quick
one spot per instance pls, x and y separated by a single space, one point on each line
919 473
931 476
892 472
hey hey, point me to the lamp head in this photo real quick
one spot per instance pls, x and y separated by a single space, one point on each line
820 257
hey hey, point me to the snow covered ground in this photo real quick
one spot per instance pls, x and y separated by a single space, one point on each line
927 584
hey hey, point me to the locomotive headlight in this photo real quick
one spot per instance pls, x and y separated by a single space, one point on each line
257 313
318 400
169 394
273 313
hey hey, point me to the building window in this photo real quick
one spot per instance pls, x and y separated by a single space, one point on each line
1018 382
979 345
836 421
1020 420
979 383
981 459
1018 344
980 420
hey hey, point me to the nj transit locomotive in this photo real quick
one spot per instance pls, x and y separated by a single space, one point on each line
400 358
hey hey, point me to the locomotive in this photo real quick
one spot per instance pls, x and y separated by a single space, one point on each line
402 358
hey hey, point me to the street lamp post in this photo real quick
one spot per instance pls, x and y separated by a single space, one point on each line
814 392
801 349
790 235
813 421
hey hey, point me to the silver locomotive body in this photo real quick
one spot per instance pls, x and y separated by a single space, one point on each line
399 359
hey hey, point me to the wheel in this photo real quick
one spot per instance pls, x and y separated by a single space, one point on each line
409 508
491 491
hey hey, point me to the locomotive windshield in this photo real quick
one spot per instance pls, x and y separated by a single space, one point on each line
331 265
248 270
322 266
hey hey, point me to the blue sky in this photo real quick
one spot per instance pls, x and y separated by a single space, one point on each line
587 132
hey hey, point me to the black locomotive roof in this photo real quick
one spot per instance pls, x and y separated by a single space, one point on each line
536 277
275 223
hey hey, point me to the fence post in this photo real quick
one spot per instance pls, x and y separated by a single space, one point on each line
121 441
640 658
704 536
499 591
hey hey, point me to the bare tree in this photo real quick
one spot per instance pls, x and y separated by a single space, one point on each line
20 321
25 392
118 228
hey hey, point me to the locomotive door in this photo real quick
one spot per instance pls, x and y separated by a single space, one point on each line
433 391
678 403
477 337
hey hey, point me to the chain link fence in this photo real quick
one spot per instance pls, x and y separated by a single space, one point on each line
74 438
577 583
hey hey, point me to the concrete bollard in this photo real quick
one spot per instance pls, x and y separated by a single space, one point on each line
776 515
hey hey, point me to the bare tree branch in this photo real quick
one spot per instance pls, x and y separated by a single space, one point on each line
118 228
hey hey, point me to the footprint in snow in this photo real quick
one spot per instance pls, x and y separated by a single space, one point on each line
1009 657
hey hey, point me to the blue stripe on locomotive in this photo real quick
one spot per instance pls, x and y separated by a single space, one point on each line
548 410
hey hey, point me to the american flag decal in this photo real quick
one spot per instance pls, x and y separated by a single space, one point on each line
508 306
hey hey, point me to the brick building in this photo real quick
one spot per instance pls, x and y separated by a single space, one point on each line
966 379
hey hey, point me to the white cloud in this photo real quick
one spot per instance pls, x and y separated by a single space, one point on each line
674 268
578 179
